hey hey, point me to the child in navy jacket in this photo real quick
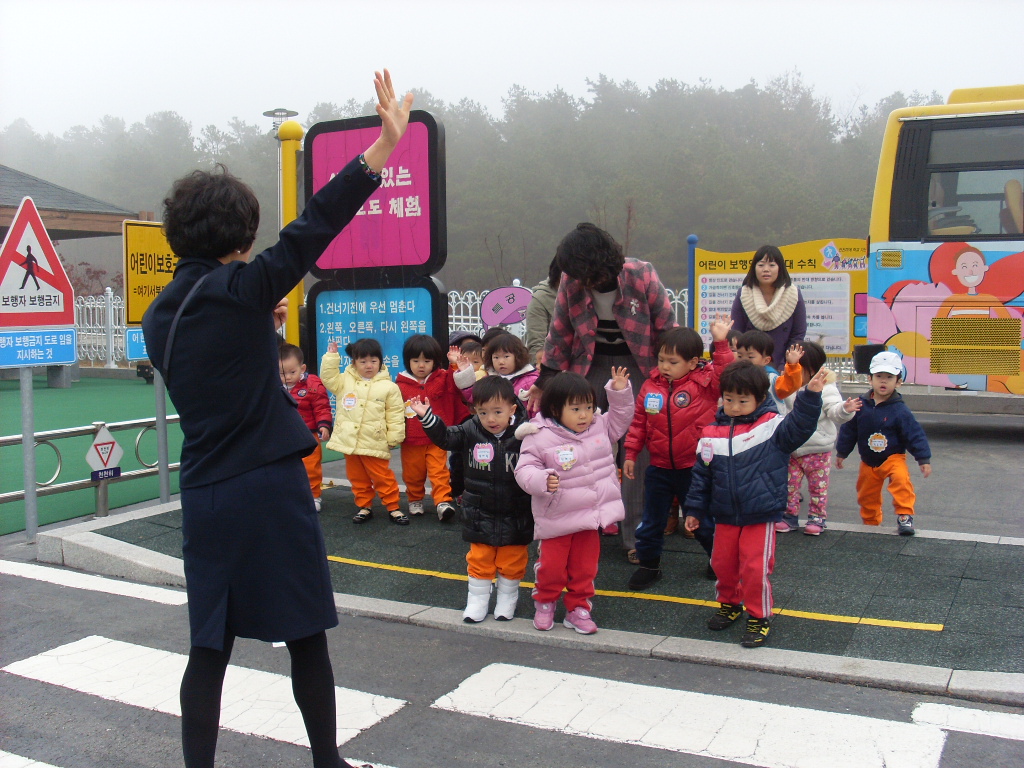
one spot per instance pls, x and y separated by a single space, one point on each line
884 430
739 482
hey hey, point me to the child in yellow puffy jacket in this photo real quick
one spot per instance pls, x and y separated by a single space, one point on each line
369 421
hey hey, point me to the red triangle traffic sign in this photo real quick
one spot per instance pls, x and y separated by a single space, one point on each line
34 289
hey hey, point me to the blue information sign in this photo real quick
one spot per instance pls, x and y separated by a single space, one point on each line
135 344
39 346
389 315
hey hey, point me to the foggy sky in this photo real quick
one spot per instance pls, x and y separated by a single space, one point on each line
70 62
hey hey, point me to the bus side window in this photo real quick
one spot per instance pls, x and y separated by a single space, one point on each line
1012 216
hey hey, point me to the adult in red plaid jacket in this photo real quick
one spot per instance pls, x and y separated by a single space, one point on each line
609 312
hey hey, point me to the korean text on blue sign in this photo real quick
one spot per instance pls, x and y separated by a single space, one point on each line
389 315
20 349
135 344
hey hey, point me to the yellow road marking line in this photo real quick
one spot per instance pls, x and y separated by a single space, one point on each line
659 598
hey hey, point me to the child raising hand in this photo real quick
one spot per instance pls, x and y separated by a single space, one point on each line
567 465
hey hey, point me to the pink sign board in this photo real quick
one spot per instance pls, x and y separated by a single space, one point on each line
396 226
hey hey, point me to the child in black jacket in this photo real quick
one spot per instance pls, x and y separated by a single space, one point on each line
497 520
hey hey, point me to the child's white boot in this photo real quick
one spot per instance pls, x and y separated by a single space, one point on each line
508 596
478 600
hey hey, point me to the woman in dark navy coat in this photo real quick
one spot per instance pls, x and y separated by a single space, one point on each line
255 562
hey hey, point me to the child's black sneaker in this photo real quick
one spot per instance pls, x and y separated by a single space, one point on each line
905 525
724 616
643 577
756 634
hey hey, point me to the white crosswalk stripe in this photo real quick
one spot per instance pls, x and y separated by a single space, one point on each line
722 727
67 578
7 760
254 702
1002 725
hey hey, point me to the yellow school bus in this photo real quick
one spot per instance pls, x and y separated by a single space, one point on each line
946 243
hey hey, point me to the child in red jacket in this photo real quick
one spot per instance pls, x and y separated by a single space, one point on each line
427 376
674 405
314 407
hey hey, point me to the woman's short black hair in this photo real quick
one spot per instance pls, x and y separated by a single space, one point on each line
494 388
590 255
209 215
425 346
684 342
361 348
506 342
554 274
565 389
769 252
745 378
759 341
813 358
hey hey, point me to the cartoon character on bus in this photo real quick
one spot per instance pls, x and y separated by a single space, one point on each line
957 272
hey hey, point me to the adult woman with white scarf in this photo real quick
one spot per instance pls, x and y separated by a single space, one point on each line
769 301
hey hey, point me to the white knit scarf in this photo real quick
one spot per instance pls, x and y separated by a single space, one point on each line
767 317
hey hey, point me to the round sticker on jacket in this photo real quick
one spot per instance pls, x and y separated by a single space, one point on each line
349 401
877 442
707 451
654 402
409 412
483 453
566 456
301 393
681 398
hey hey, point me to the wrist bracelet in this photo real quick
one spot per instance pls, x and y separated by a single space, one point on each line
374 176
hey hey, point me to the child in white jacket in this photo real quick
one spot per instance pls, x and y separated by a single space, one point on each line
813 459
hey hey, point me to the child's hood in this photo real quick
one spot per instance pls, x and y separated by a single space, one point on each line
767 406
382 375
540 423
525 369
701 375
413 379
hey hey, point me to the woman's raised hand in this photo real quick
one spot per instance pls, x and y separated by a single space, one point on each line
394 115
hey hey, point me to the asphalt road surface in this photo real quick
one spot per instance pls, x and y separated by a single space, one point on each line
90 679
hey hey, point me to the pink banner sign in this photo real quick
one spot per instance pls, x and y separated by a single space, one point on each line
393 227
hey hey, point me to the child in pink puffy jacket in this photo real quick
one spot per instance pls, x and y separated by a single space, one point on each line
567 464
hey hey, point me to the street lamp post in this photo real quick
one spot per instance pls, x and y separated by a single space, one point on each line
288 135
279 115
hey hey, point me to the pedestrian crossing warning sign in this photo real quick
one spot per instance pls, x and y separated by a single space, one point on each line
34 289
104 452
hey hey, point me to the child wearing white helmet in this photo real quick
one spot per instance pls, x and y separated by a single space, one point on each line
883 430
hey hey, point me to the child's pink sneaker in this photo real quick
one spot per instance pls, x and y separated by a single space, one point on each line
544 617
579 619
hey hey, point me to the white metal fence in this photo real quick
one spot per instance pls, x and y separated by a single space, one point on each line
464 308
101 326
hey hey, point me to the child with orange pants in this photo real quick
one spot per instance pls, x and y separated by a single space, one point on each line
884 430
496 518
427 376
369 421
314 407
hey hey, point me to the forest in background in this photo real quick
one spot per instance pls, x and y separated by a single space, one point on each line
740 168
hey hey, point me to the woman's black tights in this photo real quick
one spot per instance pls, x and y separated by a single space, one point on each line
312 685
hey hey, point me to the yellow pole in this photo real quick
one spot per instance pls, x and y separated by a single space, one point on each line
290 135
